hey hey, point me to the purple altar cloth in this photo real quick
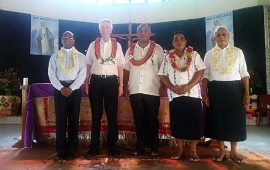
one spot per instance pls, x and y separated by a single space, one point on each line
37 90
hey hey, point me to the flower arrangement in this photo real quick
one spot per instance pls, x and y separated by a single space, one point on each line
254 79
9 80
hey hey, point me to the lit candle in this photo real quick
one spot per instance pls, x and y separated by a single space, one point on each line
25 81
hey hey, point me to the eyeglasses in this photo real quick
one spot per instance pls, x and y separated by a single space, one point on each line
219 35
67 38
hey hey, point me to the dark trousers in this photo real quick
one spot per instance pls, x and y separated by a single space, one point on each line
145 110
103 89
67 110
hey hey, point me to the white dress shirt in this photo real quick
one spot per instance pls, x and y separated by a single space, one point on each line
239 67
105 53
56 75
182 78
144 79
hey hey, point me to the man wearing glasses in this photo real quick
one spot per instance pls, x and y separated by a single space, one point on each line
67 72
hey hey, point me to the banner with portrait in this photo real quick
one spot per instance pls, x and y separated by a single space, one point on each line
44 35
212 22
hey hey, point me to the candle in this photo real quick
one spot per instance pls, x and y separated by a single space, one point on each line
25 81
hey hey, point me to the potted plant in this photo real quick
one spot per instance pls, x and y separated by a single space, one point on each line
9 80
255 81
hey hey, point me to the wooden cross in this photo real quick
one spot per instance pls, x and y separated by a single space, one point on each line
128 37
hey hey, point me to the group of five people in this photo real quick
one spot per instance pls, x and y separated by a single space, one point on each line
143 75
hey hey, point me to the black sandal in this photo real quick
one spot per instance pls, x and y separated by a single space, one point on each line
238 160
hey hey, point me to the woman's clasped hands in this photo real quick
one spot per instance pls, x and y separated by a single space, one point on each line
181 89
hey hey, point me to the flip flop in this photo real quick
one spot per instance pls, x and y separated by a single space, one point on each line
177 157
194 159
219 158
238 160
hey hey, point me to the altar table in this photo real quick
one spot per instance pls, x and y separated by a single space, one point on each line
40 119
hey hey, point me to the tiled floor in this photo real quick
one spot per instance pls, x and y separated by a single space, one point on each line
258 140
6 120
9 134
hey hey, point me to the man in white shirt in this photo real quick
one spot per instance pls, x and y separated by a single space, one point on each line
143 60
105 61
225 75
67 72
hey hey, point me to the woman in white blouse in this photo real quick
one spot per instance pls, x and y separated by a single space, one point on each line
181 71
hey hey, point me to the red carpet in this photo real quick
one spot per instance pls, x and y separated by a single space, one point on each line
42 157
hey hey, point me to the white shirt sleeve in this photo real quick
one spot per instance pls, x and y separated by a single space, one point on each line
126 66
160 54
242 65
121 58
207 70
89 57
163 71
52 73
198 64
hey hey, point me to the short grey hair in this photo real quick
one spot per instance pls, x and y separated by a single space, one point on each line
69 33
103 21
215 32
144 24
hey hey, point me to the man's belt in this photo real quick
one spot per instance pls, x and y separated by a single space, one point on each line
104 76
66 81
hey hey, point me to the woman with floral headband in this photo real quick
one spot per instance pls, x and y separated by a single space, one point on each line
181 71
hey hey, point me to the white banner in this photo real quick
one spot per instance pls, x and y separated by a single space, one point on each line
44 35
